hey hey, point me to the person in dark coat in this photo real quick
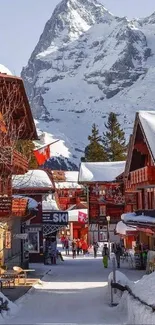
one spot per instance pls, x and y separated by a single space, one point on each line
95 247
118 253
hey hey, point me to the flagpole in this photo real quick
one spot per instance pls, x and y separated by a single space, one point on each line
49 144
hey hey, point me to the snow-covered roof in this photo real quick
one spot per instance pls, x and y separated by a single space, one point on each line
71 176
73 214
100 171
122 228
70 181
32 179
67 185
49 204
135 219
147 119
3 69
32 204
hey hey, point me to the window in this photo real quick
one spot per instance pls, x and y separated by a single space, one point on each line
102 210
33 242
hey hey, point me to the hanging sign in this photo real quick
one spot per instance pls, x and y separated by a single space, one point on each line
8 239
55 217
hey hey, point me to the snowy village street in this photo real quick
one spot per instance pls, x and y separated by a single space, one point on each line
74 292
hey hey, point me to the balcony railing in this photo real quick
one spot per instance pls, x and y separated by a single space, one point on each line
19 162
142 175
13 161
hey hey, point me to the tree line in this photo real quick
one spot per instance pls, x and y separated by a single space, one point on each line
111 146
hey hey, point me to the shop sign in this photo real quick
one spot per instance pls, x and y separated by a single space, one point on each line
20 236
55 217
8 239
5 206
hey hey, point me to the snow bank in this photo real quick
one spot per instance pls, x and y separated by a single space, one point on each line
120 278
144 289
13 308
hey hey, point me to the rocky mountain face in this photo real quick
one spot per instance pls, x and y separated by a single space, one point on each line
87 63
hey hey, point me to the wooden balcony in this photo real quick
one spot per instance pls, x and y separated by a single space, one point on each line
142 175
20 163
12 161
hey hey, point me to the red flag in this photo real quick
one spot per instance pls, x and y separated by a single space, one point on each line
82 217
42 154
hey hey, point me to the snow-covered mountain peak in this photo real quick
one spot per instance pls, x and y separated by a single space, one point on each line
70 19
87 63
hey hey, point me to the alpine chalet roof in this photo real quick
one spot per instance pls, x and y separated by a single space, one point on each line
33 179
147 120
100 171
12 90
66 179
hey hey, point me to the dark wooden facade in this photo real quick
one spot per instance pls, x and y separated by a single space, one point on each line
105 199
139 177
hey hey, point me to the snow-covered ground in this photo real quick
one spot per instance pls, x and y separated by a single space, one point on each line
73 292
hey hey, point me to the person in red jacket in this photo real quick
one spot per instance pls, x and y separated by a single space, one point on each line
84 247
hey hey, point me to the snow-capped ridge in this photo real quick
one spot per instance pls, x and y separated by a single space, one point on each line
86 64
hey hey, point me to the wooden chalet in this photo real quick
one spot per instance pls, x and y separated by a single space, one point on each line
16 123
71 196
104 196
139 177
37 185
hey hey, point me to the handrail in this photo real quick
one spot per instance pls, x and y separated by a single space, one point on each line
126 288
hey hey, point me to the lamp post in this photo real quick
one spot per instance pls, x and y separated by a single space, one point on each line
108 233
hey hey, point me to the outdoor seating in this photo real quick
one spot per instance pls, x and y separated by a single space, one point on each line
21 273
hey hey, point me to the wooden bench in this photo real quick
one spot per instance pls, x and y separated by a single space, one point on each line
22 273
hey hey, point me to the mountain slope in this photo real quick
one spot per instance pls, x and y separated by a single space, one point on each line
86 64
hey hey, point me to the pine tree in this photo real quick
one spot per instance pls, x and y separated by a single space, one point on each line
114 139
94 151
26 147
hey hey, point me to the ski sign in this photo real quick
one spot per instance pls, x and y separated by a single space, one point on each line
55 217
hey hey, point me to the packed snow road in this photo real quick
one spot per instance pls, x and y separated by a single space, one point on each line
74 292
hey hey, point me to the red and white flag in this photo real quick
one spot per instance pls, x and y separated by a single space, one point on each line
42 154
82 217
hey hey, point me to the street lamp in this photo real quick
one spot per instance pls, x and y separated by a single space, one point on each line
108 233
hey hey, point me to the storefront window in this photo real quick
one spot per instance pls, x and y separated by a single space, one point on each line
33 242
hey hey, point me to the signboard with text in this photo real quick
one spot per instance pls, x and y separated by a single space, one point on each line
55 217
5 206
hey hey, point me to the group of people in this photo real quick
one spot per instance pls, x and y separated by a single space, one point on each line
77 246
116 249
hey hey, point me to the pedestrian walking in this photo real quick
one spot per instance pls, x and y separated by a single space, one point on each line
95 248
74 247
66 246
78 246
84 247
53 251
105 255
118 253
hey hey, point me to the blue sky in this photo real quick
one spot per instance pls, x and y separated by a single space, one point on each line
22 22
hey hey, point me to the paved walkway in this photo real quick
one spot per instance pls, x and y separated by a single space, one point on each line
74 292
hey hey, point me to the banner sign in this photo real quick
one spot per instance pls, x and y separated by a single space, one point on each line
55 217
8 239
